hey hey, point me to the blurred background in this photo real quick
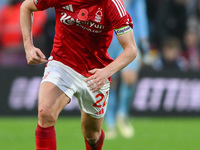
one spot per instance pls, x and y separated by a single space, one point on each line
164 108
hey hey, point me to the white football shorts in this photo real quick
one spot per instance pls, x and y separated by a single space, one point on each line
73 84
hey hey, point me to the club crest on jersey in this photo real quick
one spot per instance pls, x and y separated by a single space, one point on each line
83 14
98 15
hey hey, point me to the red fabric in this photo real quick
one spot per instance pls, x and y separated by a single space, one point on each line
98 145
84 30
45 138
10 31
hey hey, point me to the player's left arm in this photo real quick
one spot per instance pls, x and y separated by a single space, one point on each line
100 76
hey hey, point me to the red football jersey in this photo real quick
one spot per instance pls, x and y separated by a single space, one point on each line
84 30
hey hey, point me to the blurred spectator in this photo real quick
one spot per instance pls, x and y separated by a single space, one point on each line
190 6
170 57
120 96
193 22
171 20
192 49
152 11
11 46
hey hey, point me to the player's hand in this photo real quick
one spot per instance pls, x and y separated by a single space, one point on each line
35 56
97 80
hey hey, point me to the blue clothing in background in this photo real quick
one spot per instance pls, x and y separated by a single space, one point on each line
138 13
2 3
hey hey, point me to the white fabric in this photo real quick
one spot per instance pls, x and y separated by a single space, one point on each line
73 83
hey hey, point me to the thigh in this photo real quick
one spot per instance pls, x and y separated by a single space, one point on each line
51 98
93 104
90 125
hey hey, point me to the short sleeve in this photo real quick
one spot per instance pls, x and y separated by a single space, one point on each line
44 4
117 14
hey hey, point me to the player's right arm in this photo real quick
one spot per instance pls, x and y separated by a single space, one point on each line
33 55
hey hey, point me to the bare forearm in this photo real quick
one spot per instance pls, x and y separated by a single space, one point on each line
129 53
26 19
34 55
100 76
126 57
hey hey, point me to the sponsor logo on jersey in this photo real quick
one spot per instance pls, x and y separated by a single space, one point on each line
36 2
123 30
85 25
98 15
120 7
66 19
68 7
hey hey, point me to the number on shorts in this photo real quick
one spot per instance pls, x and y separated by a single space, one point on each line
101 98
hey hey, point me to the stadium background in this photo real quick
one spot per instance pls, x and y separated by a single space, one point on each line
164 111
